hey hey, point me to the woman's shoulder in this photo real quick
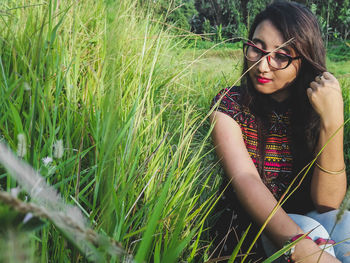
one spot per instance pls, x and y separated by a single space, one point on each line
227 99
233 92
230 102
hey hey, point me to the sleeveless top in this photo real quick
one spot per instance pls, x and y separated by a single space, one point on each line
278 166
278 157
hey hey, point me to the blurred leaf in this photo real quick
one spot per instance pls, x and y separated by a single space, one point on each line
33 224
10 218
235 251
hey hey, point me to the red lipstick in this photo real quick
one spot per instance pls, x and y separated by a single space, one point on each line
263 80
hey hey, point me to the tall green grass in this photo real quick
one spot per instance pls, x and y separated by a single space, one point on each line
107 80
129 102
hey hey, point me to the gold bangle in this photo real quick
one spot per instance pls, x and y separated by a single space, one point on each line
328 171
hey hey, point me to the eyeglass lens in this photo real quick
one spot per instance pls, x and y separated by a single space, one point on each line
275 59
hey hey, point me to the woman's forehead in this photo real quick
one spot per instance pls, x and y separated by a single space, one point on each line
269 37
267 33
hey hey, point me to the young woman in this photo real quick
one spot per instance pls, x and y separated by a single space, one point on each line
269 128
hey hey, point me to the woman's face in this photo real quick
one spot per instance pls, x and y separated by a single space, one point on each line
266 79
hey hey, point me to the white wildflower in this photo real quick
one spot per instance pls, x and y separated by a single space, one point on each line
58 149
47 160
22 145
27 217
26 86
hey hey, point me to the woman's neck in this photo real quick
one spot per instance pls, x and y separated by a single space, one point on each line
281 95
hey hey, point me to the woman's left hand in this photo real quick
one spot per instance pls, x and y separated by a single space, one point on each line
326 98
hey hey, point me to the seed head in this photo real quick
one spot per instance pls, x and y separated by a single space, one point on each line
22 145
58 149
47 160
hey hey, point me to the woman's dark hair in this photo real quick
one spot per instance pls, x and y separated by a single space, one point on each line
296 22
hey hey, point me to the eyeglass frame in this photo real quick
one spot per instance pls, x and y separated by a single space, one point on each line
267 55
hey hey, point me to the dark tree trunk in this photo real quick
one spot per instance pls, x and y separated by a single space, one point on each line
245 12
217 11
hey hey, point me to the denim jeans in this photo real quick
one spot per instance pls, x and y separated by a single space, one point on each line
323 225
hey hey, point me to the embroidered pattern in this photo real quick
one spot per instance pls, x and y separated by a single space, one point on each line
278 162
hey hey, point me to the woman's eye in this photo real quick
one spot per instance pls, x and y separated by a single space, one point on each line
256 50
281 57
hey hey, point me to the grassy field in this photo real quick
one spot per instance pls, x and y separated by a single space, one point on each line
111 108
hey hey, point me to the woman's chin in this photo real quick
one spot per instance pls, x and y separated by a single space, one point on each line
264 90
278 95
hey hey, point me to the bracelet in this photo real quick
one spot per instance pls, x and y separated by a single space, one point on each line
328 171
321 241
288 253
299 236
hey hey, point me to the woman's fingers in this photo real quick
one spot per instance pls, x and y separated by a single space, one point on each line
328 75
318 79
314 85
318 82
326 80
324 94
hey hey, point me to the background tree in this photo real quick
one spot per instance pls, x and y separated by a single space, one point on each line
178 12
344 19
232 18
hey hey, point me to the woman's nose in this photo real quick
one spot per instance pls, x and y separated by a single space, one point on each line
263 65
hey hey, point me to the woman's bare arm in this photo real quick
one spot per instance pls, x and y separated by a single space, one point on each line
250 189
328 190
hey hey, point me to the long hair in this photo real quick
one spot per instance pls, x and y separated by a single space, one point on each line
294 21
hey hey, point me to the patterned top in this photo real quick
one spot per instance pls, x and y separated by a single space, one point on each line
278 157
232 219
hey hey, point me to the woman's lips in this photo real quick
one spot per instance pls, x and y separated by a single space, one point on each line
262 80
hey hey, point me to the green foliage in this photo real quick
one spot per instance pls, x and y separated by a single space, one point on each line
339 51
10 219
253 8
224 14
237 248
17 247
333 17
218 33
112 84
177 12
206 26
15 230
344 19
198 45
236 17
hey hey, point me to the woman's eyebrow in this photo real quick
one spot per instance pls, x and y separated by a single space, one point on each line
286 49
259 41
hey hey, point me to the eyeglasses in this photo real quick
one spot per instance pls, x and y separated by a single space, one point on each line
276 59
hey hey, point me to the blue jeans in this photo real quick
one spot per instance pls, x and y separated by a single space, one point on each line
324 224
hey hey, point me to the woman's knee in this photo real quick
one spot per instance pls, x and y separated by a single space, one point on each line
333 220
338 226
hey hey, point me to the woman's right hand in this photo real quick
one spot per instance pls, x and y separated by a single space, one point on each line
307 251
326 98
